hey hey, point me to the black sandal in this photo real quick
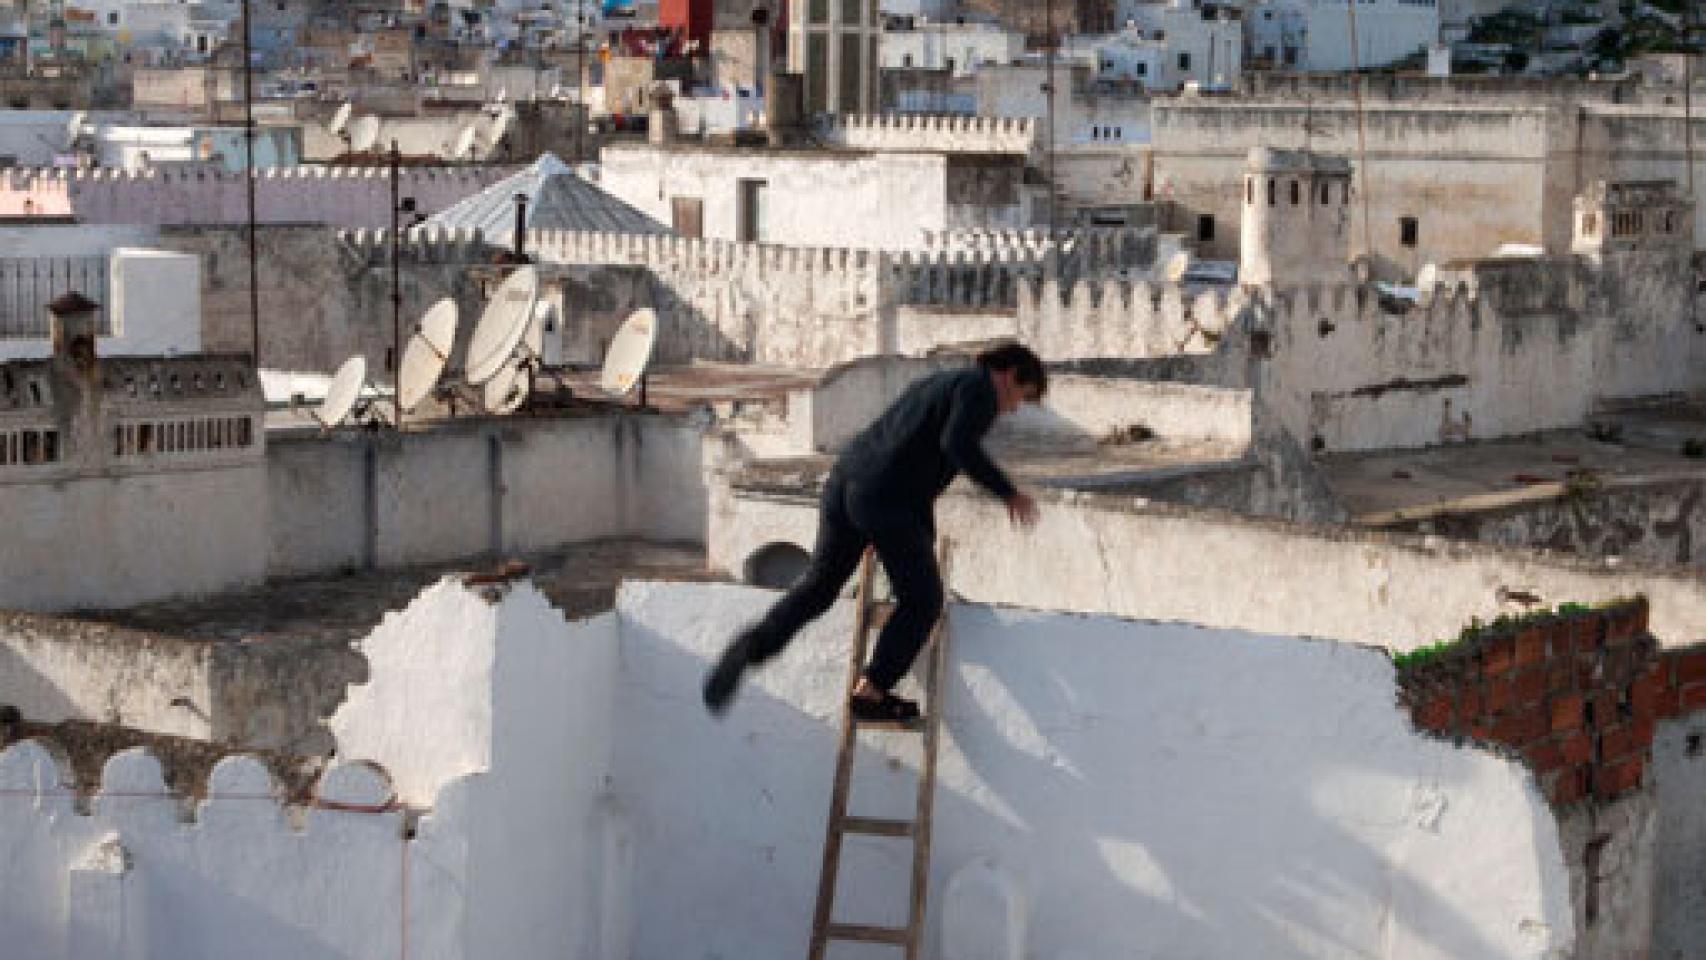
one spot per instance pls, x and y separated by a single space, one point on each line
887 709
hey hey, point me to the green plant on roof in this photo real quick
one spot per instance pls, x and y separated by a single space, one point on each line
1476 629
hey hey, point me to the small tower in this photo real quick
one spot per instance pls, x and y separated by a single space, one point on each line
834 45
1297 215
1633 215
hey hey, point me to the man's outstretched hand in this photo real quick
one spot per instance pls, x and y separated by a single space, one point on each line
1022 510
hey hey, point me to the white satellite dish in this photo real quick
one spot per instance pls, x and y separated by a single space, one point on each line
74 128
363 134
506 320
630 353
342 393
1176 267
503 94
1427 278
464 148
506 392
500 127
340 119
426 353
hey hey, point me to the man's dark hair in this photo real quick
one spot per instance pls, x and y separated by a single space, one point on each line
1019 358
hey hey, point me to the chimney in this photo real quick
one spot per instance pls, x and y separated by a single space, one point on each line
664 125
75 325
519 246
785 109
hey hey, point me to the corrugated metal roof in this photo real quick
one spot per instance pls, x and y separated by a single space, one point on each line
557 199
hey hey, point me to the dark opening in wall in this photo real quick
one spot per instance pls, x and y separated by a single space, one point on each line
1205 228
1409 231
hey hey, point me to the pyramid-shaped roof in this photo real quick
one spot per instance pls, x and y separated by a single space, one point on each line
557 199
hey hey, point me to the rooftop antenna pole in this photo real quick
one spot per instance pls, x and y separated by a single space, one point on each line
1048 60
1362 137
396 363
582 117
249 184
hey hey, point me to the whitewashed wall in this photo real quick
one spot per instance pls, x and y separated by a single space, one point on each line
355 498
1107 788
1106 554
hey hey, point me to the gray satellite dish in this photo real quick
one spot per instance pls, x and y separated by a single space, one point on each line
74 129
342 392
426 353
500 127
340 119
506 392
1427 278
363 134
630 353
464 148
506 320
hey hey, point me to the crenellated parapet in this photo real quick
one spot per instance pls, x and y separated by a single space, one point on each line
420 245
203 195
932 133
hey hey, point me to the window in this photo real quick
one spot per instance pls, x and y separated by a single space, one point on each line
112 18
687 216
1249 192
1326 194
1184 61
1143 69
1271 191
1409 231
1205 228
906 61
1296 193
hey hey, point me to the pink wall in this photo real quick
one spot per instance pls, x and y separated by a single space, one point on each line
341 197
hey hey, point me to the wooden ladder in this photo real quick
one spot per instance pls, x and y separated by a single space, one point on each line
824 928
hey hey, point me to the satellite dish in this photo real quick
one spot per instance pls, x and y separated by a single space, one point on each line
74 128
464 143
506 320
342 392
1427 278
506 392
363 134
630 353
340 120
426 353
1176 266
500 127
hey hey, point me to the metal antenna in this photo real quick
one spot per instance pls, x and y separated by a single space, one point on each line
249 178
1048 60
1362 137
396 364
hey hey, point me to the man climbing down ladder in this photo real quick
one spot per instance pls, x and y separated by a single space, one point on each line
882 493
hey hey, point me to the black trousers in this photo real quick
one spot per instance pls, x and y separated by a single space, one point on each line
904 537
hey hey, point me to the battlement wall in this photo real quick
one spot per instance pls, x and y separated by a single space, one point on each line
934 134
337 196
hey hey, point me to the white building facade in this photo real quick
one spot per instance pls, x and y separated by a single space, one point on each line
1316 34
958 48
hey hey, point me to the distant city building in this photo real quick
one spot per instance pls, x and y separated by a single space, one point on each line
956 48
1315 35
834 44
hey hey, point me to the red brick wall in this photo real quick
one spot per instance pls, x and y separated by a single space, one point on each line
1576 696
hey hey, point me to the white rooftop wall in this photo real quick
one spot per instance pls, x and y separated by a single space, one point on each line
1107 788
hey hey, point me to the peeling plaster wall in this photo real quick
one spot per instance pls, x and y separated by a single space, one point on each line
1106 788
1679 767
479 486
1647 521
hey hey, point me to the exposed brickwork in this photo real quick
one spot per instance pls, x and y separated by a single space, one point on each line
1577 696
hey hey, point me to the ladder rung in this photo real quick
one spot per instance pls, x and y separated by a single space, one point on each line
848 931
877 826
902 726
